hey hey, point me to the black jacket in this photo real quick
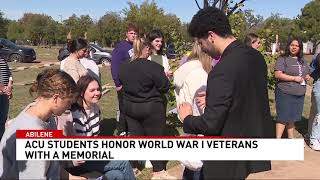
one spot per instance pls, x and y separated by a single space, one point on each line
237 105
143 81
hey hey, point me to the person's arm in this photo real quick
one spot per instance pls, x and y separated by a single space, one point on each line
279 72
218 102
195 82
117 56
285 77
160 79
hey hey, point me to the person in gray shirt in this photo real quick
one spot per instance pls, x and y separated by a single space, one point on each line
55 92
292 74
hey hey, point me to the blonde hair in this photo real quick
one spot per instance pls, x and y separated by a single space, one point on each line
198 54
54 81
138 45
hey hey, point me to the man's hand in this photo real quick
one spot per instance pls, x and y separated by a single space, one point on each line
169 74
119 88
184 110
201 99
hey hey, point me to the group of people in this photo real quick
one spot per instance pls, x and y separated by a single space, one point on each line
221 90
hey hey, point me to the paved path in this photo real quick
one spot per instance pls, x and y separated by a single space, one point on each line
307 169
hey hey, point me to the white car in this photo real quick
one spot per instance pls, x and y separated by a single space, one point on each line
100 55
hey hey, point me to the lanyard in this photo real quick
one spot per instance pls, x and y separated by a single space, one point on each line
300 68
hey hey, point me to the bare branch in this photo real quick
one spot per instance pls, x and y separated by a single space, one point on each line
235 7
223 4
215 2
197 4
205 4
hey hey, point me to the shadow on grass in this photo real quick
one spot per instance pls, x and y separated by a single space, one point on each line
302 126
172 126
108 126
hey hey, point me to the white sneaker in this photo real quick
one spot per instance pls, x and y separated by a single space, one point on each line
136 172
315 145
148 164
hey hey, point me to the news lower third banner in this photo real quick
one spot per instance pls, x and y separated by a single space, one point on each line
52 145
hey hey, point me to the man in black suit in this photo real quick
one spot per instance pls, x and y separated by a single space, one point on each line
236 102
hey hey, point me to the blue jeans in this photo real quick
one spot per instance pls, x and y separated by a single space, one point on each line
4 108
315 127
112 170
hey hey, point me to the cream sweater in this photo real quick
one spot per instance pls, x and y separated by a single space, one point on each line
189 79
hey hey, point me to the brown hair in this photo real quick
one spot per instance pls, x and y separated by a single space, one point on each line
132 27
198 54
138 45
54 81
82 86
250 39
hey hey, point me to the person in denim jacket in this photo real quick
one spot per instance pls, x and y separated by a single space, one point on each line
314 119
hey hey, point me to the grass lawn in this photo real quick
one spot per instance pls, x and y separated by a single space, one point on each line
109 102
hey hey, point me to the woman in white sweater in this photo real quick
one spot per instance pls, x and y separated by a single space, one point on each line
189 79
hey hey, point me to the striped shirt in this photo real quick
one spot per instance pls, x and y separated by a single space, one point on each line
5 73
86 125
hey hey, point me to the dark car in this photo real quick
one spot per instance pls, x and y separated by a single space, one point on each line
170 51
11 52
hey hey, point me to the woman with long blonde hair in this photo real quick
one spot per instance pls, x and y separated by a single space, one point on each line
190 79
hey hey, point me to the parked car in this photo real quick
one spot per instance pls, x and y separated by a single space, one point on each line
100 55
12 52
97 54
170 51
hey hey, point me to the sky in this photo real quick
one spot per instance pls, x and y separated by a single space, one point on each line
184 9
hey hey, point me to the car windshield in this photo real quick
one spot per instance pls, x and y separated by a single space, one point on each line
8 44
97 47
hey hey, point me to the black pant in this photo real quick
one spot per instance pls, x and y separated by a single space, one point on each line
147 119
122 124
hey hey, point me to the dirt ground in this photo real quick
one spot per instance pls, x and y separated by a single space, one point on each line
307 169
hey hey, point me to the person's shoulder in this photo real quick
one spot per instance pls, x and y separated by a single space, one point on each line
153 64
197 74
122 44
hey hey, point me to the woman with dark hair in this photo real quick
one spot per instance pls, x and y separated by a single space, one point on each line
143 98
252 40
156 38
291 72
71 64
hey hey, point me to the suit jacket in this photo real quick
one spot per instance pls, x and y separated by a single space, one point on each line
237 105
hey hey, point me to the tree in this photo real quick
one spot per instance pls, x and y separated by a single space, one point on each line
149 16
276 25
252 21
3 25
228 6
78 26
309 22
110 28
35 27
15 31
